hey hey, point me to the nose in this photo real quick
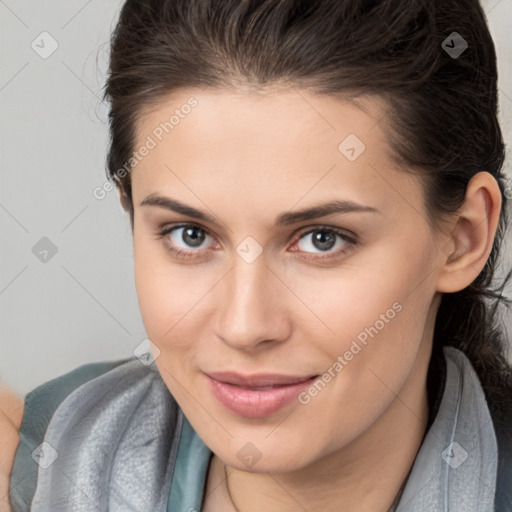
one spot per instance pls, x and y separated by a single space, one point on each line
252 311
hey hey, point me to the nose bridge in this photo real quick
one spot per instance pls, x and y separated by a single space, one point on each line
248 307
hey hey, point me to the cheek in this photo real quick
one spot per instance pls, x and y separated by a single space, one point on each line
168 300
373 316
386 289
151 291
172 298
159 292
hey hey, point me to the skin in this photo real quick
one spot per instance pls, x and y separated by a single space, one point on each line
11 413
245 158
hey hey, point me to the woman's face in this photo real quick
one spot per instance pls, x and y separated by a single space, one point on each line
346 298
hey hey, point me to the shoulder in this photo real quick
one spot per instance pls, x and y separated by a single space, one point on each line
498 396
501 414
498 400
42 401
11 412
37 408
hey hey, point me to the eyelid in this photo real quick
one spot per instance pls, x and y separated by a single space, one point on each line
345 233
328 257
169 228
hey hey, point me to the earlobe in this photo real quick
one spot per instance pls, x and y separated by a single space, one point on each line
472 235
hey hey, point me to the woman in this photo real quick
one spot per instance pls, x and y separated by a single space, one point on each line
317 206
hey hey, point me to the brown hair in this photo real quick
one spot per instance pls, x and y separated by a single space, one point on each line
443 108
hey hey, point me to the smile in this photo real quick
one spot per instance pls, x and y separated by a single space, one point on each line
256 396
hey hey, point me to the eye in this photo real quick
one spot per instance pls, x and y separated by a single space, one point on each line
179 239
182 238
322 239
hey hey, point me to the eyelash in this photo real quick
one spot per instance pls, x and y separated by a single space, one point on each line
185 255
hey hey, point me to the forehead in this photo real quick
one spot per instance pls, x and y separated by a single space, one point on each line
251 118
286 143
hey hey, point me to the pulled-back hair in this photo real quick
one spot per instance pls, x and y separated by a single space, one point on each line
442 117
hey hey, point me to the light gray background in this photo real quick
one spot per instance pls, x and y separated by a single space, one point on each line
81 305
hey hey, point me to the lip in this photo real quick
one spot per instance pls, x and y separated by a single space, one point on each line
240 393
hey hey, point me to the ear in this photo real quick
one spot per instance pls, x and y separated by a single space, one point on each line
126 204
123 198
472 234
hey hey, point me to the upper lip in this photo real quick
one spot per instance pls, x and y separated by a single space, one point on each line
267 379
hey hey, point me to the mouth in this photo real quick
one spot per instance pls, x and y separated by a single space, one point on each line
256 396
260 380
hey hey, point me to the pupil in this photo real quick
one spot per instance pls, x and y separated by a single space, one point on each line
195 238
323 240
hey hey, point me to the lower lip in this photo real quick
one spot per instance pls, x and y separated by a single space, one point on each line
257 403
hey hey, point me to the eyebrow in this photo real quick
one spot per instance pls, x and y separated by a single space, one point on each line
283 219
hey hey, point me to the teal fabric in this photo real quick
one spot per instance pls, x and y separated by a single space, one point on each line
189 477
40 404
